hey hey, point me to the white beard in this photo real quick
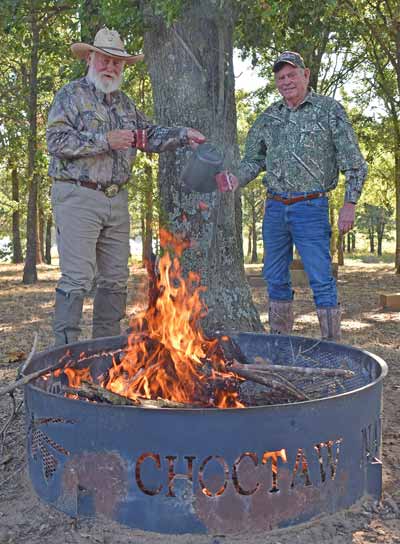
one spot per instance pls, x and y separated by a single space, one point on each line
104 85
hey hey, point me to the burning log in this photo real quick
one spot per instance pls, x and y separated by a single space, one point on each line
280 384
94 392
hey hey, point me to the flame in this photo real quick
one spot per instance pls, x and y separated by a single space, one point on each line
168 356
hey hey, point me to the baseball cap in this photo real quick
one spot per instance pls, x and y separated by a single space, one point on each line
288 57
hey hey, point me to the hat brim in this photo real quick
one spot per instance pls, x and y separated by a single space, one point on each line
80 51
278 65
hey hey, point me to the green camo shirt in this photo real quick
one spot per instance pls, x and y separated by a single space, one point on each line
78 122
303 149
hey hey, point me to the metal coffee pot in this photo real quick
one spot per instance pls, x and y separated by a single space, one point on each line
200 170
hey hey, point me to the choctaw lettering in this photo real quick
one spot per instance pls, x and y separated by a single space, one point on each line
327 454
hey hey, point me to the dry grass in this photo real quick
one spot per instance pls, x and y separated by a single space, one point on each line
27 309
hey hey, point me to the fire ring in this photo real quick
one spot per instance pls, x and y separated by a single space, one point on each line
211 470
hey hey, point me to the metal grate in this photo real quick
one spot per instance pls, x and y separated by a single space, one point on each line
308 353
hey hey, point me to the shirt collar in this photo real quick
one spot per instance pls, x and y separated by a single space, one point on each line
310 98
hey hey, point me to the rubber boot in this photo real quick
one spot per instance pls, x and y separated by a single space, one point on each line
67 316
329 322
281 316
108 310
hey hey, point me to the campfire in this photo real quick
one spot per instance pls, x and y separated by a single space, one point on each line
170 362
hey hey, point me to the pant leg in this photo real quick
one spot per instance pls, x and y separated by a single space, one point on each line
311 230
112 264
78 216
278 251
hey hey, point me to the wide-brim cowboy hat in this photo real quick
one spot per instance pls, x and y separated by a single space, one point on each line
107 42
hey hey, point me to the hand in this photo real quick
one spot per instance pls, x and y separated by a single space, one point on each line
195 137
347 216
226 182
120 139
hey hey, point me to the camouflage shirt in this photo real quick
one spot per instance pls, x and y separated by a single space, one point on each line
303 149
79 120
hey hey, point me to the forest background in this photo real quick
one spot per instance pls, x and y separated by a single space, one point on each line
351 46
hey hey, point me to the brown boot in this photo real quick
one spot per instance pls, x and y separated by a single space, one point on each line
281 317
329 322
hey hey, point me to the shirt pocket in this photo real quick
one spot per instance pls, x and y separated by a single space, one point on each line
93 121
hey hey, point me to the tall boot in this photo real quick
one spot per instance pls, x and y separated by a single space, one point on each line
281 316
108 310
329 322
67 316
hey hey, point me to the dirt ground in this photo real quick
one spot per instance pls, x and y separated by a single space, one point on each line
26 520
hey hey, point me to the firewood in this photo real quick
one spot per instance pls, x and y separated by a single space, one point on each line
334 372
277 384
30 377
104 394
93 391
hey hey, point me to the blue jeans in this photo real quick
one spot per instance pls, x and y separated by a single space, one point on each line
306 225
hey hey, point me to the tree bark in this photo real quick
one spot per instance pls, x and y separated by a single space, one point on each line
340 250
40 234
47 253
16 234
397 182
254 256
191 69
148 218
30 272
249 239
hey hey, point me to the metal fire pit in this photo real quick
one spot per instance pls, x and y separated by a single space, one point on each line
212 470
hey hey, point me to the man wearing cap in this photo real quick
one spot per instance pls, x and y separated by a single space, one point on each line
93 133
301 142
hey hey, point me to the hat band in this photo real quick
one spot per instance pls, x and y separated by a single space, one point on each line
113 48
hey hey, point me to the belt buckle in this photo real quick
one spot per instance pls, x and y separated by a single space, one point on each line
111 190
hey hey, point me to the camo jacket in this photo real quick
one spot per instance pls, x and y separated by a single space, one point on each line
78 122
303 149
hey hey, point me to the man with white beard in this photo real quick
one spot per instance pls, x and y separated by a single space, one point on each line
93 133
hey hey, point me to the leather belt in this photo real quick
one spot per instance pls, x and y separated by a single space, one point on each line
108 190
295 199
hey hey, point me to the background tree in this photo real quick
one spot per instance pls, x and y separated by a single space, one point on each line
379 34
191 69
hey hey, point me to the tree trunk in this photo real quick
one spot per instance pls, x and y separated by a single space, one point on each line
148 214
371 236
397 181
16 234
40 234
30 272
249 238
191 69
340 250
49 225
380 230
254 256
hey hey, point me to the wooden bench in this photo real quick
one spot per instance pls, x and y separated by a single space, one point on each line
298 274
390 301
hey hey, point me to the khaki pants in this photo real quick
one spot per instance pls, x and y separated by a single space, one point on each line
92 237
91 229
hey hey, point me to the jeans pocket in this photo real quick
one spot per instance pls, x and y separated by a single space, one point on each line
61 191
322 202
